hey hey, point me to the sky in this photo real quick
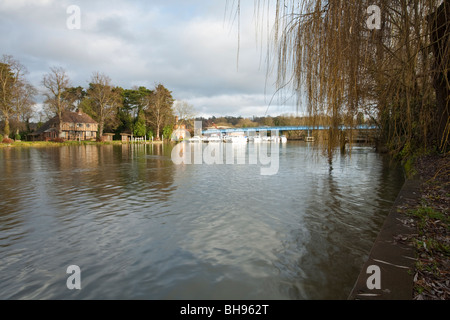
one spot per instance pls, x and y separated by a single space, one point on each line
195 48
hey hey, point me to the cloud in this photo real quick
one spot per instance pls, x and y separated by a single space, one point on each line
189 46
13 5
245 105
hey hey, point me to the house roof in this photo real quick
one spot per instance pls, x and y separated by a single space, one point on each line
75 117
66 116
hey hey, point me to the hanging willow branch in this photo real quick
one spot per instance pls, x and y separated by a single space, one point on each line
397 74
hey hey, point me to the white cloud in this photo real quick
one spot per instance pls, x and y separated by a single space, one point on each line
12 5
187 45
245 105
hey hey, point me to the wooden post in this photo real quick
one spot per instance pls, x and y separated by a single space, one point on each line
343 140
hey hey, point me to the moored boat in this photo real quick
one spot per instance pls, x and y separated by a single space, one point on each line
214 138
195 139
257 139
236 139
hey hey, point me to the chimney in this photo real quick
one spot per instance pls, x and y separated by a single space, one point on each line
80 111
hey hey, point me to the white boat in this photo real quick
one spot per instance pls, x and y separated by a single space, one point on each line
236 139
195 139
256 139
214 138
275 139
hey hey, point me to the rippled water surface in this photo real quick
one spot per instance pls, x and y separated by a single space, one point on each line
141 227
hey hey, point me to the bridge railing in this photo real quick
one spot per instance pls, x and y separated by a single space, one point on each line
286 128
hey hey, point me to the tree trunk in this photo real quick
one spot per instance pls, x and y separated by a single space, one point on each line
100 129
6 129
157 132
440 29
60 124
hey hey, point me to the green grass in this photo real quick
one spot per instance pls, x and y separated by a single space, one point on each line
427 218
56 144
423 213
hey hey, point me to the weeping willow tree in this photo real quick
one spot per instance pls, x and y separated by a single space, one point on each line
387 59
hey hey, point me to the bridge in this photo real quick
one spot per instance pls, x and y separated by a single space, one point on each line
286 128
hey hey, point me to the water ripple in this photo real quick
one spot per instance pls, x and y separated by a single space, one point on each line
141 227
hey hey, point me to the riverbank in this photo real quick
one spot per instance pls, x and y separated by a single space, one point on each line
16 144
432 225
412 250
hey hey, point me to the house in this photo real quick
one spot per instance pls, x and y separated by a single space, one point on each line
179 133
74 126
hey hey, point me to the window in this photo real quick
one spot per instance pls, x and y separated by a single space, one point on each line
79 125
88 125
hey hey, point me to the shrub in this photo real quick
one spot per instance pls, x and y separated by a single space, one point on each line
1 137
167 132
7 140
58 140
17 137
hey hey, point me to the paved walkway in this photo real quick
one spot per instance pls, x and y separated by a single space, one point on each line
389 270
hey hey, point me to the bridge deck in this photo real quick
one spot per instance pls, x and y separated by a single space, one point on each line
287 128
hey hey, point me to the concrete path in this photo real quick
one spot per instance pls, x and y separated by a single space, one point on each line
389 271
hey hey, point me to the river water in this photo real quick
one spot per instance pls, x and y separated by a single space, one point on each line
141 226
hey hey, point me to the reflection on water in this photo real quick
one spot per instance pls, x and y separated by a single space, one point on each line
141 227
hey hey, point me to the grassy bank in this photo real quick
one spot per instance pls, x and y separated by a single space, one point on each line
27 144
430 218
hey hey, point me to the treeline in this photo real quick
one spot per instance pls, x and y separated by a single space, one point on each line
278 121
141 111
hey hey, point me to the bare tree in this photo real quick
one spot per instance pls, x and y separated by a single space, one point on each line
184 111
23 105
56 82
105 99
11 80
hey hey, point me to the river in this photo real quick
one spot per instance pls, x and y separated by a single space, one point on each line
141 226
